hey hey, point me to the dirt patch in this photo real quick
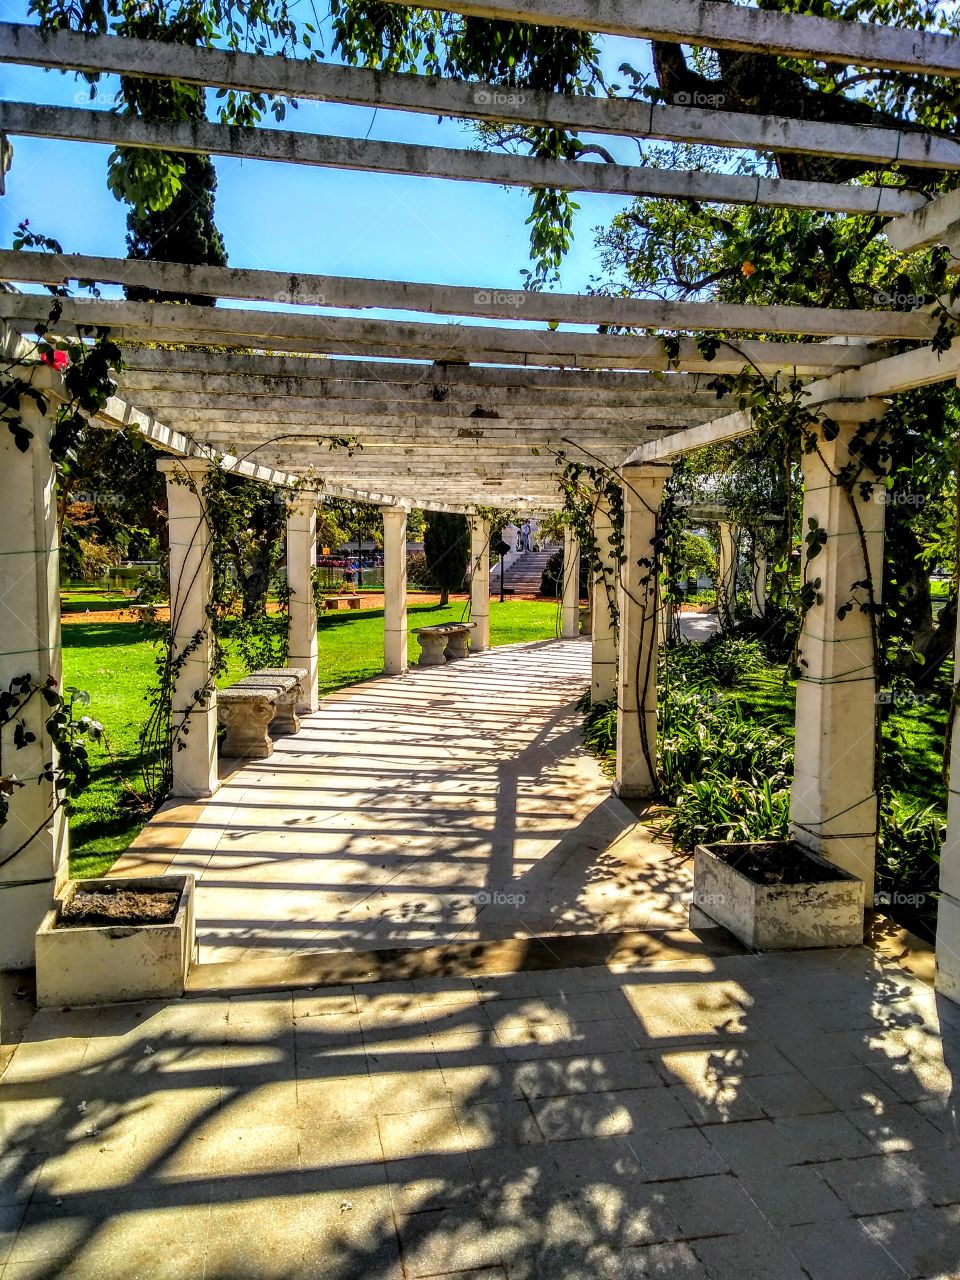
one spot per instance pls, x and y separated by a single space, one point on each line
118 906
775 862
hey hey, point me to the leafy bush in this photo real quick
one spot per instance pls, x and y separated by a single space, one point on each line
908 852
417 573
95 560
599 726
718 808
551 580
721 660
702 734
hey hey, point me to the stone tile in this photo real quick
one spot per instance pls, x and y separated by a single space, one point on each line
788 1095
712 1206
670 1261
852 1088
530 1176
398 1092
652 1110
420 1183
419 1133
599 1073
480 1084
507 1123
589 1115
841 1251
676 1153
793 1196
811 1139
875 1184
353 1141
755 1255
922 1241
625 1213
901 1127
445 1241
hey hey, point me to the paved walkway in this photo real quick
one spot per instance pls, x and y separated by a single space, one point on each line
700 1117
455 803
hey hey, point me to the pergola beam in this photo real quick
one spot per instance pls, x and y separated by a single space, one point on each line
326 151
471 100
440 375
936 223
155 322
725 26
903 372
244 284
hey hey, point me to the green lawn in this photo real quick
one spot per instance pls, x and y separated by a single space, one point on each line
114 663
79 599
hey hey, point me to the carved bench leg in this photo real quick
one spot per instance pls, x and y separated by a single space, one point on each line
432 646
285 718
247 725
458 646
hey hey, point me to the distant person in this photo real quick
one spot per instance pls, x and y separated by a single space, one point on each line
525 536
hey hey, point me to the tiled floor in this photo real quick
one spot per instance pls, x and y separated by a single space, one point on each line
729 1117
455 803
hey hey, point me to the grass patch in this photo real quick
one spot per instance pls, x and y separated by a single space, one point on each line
114 663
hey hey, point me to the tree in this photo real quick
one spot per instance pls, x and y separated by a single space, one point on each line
446 546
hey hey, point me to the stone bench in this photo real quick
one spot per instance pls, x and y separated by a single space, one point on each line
256 704
346 601
442 641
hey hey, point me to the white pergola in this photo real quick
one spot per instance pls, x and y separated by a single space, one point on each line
445 413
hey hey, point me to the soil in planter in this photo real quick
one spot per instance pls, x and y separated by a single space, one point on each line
775 863
89 907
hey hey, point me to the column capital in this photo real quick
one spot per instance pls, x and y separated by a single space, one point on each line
305 498
173 466
852 412
646 470
394 513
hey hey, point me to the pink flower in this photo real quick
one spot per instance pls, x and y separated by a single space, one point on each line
55 359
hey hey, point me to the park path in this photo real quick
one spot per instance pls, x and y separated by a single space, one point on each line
451 804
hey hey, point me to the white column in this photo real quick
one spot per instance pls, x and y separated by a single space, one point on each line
571 585
603 681
302 616
948 909
637 667
29 646
479 583
758 585
726 572
394 590
194 699
833 803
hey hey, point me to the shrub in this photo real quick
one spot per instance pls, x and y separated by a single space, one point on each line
721 660
719 808
95 560
417 573
552 577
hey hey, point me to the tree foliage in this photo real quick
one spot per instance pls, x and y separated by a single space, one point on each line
446 545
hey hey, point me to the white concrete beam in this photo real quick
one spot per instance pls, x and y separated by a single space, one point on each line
244 284
328 152
725 26
476 100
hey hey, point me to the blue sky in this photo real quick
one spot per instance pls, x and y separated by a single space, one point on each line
290 218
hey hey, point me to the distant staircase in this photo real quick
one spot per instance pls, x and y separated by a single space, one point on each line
522 578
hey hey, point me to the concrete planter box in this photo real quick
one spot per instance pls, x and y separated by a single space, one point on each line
81 964
817 904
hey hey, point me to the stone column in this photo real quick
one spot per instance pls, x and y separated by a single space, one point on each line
726 572
394 590
194 700
948 910
571 585
833 802
29 646
637 667
302 619
479 583
603 681
758 585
